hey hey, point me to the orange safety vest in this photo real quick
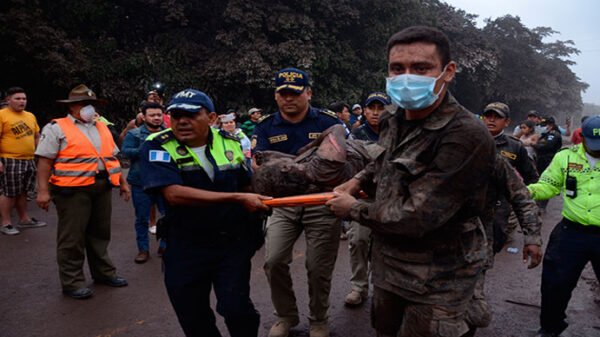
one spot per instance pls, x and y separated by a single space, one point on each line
77 163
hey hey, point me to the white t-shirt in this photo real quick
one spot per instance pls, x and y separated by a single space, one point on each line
206 164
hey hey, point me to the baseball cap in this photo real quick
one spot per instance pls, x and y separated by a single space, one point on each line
533 113
590 130
191 100
292 79
379 97
356 106
498 107
227 117
549 119
253 110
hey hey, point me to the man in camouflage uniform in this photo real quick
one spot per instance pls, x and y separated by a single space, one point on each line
496 117
430 188
508 186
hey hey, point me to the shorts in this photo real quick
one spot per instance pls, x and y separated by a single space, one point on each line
18 177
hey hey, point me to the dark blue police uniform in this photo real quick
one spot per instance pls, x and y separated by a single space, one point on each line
365 132
206 246
276 134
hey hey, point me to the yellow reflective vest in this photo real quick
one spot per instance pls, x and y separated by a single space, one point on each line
584 208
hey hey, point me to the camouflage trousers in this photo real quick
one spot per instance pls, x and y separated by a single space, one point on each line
393 315
478 313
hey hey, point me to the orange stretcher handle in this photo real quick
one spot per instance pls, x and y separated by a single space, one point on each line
304 200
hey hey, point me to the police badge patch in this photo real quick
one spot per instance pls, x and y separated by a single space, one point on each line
181 150
229 155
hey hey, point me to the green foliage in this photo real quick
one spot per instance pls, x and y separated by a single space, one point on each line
232 49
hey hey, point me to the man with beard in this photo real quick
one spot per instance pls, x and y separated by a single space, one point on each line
142 202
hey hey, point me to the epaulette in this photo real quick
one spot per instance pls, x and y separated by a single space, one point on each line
513 137
164 136
227 135
329 113
260 120
573 148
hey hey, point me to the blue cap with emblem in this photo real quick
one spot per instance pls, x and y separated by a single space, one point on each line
191 100
590 130
377 97
291 79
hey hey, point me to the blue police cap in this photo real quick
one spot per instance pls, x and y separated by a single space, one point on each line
590 130
292 79
379 97
191 100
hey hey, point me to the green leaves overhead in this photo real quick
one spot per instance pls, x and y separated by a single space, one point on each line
232 48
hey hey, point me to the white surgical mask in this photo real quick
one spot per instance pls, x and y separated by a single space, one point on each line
87 113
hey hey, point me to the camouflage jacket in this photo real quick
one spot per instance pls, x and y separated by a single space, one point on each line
508 191
429 186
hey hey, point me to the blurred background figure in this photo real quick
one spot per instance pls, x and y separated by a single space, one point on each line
227 124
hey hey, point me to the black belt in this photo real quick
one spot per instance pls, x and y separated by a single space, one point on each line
592 229
102 174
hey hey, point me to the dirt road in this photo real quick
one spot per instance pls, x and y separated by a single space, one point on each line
32 305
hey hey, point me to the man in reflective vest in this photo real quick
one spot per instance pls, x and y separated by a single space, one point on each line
77 168
209 226
575 240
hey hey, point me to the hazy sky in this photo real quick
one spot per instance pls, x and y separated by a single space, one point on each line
577 20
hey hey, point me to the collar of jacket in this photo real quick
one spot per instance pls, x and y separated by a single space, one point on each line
440 117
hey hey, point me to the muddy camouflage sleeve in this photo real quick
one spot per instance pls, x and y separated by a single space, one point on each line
522 204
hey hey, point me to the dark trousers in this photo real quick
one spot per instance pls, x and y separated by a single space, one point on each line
190 273
142 203
83 228
570 247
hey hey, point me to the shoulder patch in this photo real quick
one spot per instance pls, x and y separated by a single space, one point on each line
162 137
159 156
329 113
263 118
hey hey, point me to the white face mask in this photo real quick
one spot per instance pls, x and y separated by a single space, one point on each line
87 113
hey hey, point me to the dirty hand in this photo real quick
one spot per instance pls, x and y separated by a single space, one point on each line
351 187
341 204
533 253
43 200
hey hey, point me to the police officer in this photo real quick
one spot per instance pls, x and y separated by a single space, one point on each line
359 236
496 117
289 129
575 240
210 234
549 143
546 147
